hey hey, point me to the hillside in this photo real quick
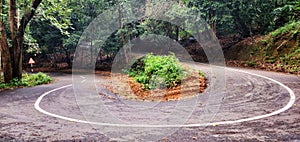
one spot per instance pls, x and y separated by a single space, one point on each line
276 51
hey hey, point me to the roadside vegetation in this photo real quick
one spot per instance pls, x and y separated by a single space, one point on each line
277 51
28 80
50 31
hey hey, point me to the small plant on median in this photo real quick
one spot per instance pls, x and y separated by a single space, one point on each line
154 71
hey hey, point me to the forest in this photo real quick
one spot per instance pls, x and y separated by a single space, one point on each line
49 30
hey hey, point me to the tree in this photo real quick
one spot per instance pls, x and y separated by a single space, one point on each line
51 29
12 53
286 12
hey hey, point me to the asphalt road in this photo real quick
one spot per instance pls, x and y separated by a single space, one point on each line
244 96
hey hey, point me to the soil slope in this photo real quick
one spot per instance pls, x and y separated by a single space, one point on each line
277 51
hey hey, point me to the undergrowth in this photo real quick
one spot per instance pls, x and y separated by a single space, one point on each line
154 71
292 28
277 51
27 80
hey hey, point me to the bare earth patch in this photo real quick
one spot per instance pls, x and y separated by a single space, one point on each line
127 88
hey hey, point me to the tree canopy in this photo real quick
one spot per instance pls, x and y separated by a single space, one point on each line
51 26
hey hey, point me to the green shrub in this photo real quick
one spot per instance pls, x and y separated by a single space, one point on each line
27 80
251 64
155 71
201 74
35 79
292 27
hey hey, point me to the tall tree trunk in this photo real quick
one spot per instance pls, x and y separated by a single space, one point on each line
13 24
12 56
4 49
68 58
15 50
177 32
17 55
5 58
17 39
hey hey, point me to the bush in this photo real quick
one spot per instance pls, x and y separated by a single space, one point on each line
155 71
27 80
251 64
292 27
35 79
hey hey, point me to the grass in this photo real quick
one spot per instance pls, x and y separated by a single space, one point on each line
27 80
277 51
280 49
292 27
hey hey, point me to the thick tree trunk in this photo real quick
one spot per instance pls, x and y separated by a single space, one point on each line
6 62
13 24
68 58
12 56
4 48
17 58
177 33
18 36
17 41
5 58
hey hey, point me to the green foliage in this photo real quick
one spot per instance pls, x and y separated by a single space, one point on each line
201 74
236 16
292 58
57 12
50 40
287 12
292 27
155 71
58 25
251 64
263 41
35 79
27 80
277 51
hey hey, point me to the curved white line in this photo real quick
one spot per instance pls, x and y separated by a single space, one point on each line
286 107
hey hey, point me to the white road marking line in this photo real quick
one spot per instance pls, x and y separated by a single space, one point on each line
286 107
83 79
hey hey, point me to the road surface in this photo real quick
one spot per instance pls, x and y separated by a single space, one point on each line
246 96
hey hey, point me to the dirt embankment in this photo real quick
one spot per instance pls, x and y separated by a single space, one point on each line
278 51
